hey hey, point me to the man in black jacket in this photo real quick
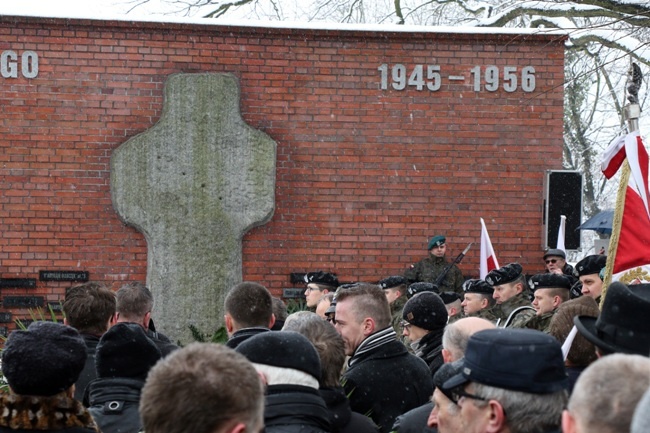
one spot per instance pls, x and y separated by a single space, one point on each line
383 380
249 311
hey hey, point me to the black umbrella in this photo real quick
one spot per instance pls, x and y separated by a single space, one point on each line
601 222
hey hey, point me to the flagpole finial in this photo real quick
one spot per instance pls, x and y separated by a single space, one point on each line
633 109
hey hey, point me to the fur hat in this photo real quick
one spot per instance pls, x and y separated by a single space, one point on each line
126 351
285 349
582 352
44 360
425 310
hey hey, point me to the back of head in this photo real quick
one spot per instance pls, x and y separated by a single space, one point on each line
89 307
326 340
43 360
134 301
607 392
126 351
369 301
457 334
189 392
280 313
249 304
582 352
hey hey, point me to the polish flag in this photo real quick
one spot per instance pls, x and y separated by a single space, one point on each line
488 258
561 233
631 254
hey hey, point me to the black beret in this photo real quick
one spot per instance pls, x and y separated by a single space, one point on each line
549 281
425 310
126 351
449 297
590 265
320 277
503 275
43 360
523 360
394 281
285 349
555 252
477 286
421 287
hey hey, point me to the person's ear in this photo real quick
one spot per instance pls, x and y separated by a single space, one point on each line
240 427
229 325
446 355
568 422
368 326
496 417
146 319
556 301
272 321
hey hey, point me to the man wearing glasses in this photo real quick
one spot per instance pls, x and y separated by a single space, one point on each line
510 381
555 262
319 284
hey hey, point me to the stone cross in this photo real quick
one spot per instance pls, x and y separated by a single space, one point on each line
194 184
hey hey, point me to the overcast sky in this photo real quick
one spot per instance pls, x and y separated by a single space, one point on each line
78 8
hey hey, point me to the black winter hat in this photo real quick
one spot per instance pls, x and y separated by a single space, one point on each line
504 275
555 252
549 281
446 372
477 286
590 265
425 310
394 281
44 360
421 287
320 277
126 351
286 349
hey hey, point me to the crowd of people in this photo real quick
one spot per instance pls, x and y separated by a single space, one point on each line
426 351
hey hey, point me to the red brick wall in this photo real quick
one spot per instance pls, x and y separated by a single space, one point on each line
364 176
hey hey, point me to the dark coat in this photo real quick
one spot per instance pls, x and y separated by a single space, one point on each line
430 350
162 341
342 418
244 334
386 382
295 409
88 374
415 420
114 404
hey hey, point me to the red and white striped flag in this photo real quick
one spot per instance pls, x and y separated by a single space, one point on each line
489 260
631 254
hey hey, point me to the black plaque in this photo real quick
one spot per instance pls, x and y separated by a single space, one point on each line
292 293
63 275
28 283
23 301
5 318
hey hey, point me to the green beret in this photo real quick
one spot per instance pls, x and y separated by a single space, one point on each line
436 241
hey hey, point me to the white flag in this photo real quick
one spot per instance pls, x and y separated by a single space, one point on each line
560 233
489 260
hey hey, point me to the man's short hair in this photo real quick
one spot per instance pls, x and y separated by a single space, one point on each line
202 388
490 299
88 307
134 300
249 304
327 341
607 392
373 303
327 297
556 291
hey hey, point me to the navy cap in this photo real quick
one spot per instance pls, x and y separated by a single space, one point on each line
436 241
555 252
590 265
421 287
549 281
523 360
477 286
320 277
446 372
504 275
394 281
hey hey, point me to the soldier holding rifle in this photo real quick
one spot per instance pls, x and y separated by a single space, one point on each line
436 269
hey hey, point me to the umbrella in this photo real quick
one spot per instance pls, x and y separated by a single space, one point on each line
601 222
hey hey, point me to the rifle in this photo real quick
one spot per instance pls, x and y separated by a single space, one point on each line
458 259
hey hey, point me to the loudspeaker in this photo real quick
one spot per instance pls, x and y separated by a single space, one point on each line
562 196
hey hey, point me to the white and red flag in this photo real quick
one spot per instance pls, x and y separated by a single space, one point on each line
629 250
489 260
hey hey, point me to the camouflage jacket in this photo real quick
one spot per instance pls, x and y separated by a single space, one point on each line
519 319
485 313
428 270
396 313
541 323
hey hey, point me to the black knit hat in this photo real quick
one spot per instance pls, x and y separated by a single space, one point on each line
425 310
126 351
504 275
477 286
394 281
44 360
320 277
421 287
590 265
549 281
286 349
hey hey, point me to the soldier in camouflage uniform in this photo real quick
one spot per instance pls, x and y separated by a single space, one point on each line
453 305
478 300
395 290
549 291
429 269
511 294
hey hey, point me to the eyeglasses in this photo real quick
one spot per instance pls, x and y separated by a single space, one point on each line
459 392
312 289
405 325
551 261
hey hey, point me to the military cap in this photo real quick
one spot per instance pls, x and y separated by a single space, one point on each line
622 326
503 275
477 286
320 277
449 297
425 310
394 281
555 252
436 241
523 360
549 281
446 372
421 287
590 265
